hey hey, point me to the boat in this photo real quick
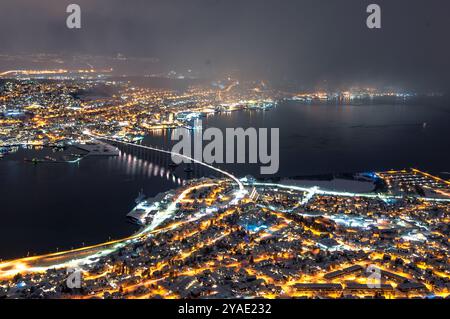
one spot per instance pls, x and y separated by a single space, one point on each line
140 198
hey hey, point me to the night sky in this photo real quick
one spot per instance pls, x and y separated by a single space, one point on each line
305 41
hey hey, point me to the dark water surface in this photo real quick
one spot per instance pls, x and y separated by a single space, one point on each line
53 206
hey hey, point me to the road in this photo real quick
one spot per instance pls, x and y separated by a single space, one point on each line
90 254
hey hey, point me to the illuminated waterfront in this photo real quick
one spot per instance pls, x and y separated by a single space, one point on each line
203 243
224 158
206 231
328 151
242 238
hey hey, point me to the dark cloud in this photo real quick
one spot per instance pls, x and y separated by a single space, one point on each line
306 40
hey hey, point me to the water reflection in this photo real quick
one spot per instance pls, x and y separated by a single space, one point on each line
144 163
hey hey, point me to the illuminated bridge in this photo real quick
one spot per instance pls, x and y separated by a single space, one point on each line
86 255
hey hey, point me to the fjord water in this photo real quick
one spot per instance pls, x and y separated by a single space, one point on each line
322 139
53 206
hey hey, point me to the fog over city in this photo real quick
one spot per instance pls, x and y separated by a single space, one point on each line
306 42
